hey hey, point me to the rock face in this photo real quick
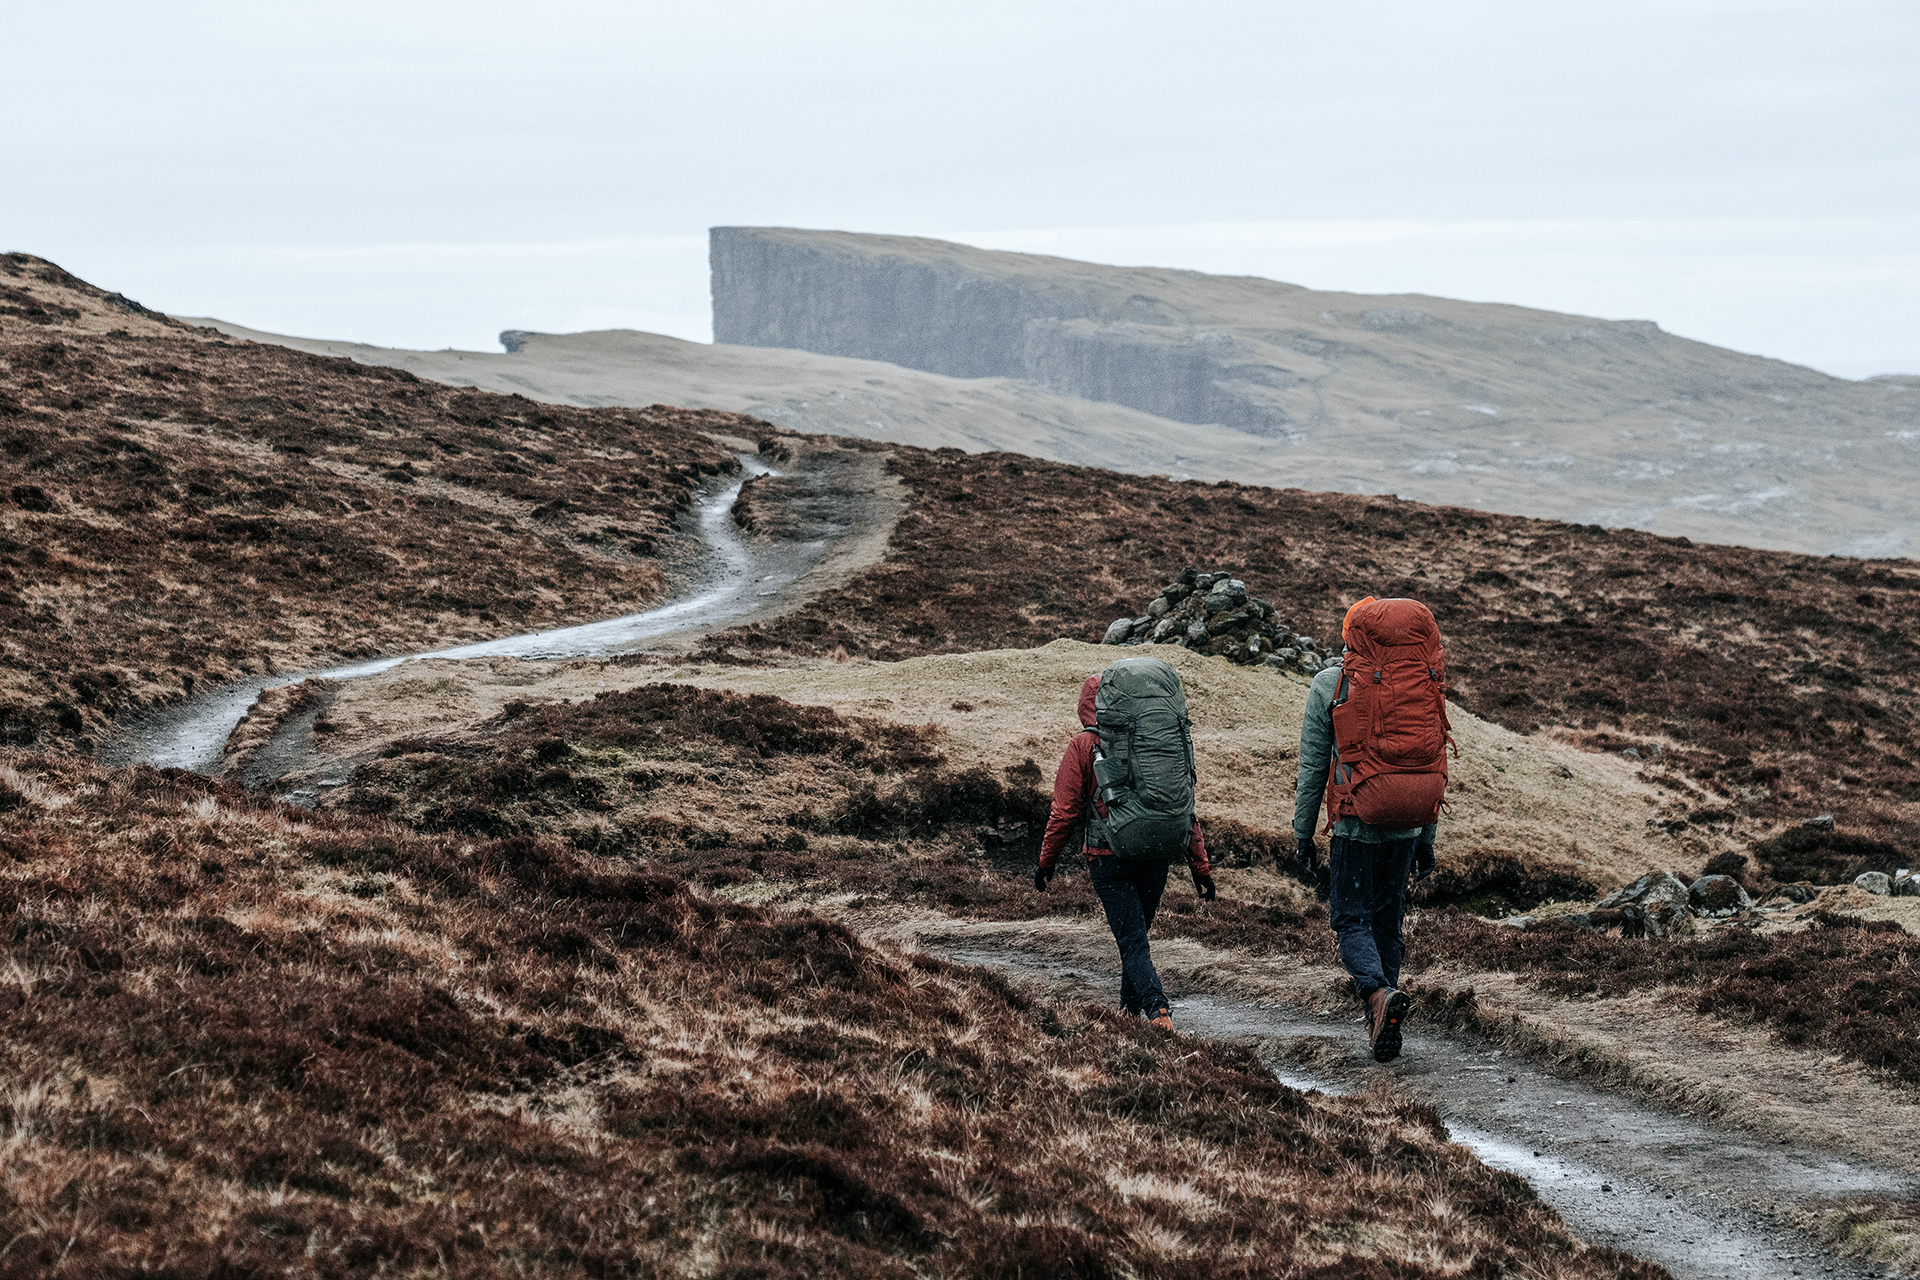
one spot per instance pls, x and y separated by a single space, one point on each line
1437 400
1212 613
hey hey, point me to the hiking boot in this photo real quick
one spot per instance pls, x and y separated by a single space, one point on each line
1163 1019
1386 1010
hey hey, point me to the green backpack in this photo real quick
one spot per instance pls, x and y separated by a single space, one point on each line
1143 765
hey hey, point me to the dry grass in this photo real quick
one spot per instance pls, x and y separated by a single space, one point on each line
867 815
177 510
1532 818
248 1041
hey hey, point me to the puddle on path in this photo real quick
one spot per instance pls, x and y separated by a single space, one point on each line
731 583
1662 1186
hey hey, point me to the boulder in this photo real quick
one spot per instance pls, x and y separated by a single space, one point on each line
1655 886
1822 823
1117 631
1158 606
1906 884
1668 920
1800 891
1874 882
1717 897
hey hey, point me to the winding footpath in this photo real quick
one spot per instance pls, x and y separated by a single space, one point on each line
192 735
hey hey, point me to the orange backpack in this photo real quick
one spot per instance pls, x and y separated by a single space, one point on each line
1390 729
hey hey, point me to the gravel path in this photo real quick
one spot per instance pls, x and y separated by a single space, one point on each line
1683 1192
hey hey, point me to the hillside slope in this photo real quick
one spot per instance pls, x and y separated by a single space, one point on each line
804 392
177 509
1756 688
247 1041
1497 407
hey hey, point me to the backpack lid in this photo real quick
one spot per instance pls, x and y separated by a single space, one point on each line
1139 678
1390 624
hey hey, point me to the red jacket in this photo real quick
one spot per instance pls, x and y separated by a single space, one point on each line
1073 792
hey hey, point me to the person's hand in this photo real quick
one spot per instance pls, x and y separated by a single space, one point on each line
1422 863
1203 885
1042 878
1305 856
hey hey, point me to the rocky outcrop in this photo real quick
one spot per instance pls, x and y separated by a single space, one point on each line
1073 329
1496 407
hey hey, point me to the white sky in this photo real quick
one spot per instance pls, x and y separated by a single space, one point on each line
427 174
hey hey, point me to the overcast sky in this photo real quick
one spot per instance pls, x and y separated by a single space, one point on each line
427 174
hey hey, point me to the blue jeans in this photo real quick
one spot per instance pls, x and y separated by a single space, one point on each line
1368 901
1130 891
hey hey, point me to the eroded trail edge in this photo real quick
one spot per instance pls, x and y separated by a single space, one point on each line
1673 1189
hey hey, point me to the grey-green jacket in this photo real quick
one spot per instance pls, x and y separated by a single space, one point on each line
1316 757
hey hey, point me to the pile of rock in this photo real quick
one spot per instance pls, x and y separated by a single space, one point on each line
1212 613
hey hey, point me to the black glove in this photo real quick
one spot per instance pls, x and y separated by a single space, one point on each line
1422 863
1042 878
1203 885
1305 855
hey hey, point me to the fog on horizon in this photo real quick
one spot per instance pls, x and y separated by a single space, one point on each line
429 174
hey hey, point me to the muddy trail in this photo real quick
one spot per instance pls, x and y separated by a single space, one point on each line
837 513
1703 1201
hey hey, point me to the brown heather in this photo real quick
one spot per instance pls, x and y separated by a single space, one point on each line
871 810
1782 685
244 1040
177 510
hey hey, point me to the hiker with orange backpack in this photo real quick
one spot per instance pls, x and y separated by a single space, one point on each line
1128 775
1374 741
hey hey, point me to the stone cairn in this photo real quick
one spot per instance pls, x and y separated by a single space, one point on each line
1212 613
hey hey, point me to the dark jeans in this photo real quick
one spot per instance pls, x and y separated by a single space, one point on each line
1369 898
1130 891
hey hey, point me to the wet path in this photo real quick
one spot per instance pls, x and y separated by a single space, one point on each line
731 582
1663 1186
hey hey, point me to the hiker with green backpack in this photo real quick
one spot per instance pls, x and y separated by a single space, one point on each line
1128 775
1375 741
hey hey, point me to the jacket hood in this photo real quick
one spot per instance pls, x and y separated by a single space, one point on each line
1087 690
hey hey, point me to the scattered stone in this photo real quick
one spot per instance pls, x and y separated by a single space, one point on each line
1906 884
1516 922
1718 897
1655 886
1214 614
1874 882
1629 753
1822 823
1800 892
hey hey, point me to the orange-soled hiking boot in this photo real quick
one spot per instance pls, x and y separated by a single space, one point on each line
1386 1010
1163 1019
